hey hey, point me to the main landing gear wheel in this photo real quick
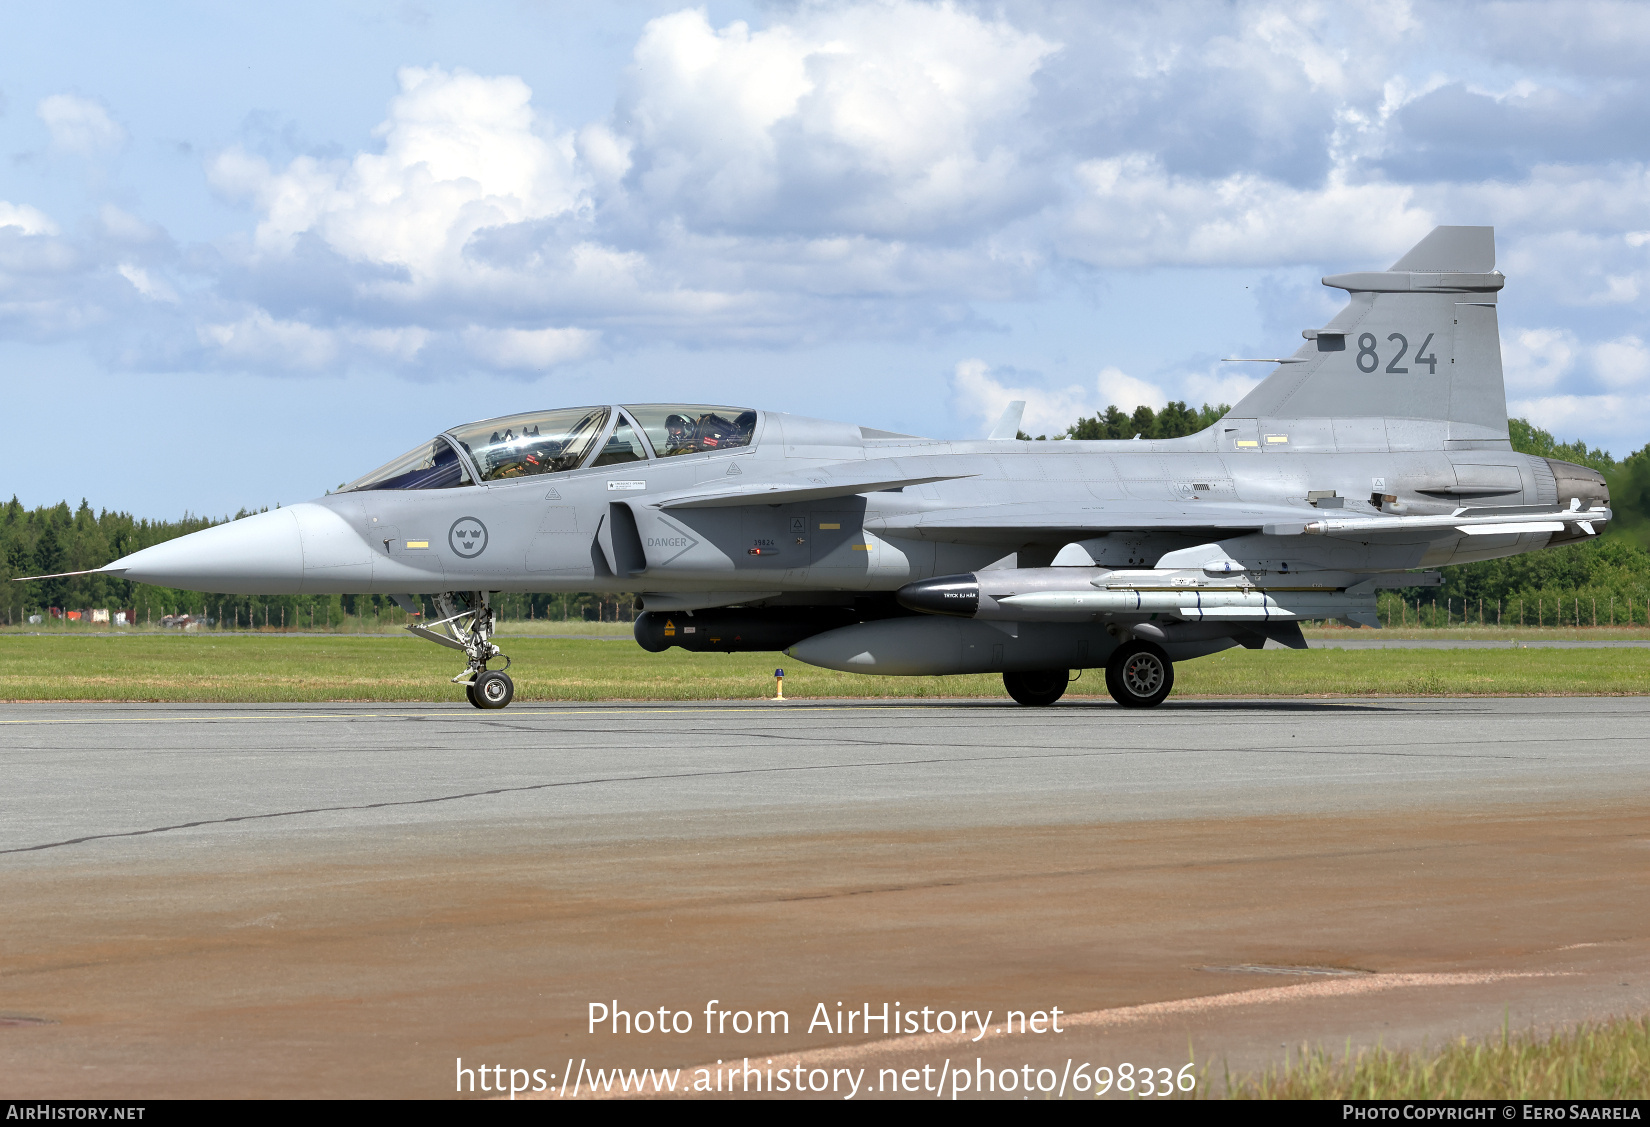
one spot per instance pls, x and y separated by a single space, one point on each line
1139 675
492 689
1043 686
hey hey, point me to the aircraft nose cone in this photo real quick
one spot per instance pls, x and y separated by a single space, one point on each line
256 555
948 594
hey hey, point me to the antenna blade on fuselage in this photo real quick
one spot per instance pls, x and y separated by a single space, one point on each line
1008 426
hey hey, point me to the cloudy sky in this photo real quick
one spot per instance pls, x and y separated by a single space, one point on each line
247 252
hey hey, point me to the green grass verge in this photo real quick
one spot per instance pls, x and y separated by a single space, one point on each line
248 668
1481 633
1606 1061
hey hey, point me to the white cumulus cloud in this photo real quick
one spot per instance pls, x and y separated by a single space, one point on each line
28 220
529 349
80 125
1217 387
1537 359
1571 414
978 394
259 340
1622 363
403 343
884 117
875 170
144 283
461 152
1117 387
1130 211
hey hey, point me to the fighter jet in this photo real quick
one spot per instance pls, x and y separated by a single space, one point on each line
1378 447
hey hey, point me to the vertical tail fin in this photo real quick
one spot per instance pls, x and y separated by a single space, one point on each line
1417 346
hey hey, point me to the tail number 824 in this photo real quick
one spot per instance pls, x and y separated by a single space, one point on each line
1369 359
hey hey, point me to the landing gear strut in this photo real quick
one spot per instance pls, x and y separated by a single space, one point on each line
466 624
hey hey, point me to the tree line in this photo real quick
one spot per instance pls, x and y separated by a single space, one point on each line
1175 420
1614 568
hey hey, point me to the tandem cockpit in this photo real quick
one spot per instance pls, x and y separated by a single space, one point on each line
550 442
508 449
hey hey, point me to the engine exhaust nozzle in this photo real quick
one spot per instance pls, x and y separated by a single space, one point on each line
957 595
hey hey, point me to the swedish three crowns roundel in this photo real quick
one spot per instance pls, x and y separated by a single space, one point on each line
467 538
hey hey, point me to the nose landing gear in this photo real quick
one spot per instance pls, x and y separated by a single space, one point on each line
466 624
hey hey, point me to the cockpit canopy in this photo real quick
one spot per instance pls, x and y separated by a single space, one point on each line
526 445
548 442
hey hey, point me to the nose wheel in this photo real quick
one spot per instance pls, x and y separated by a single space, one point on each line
466 624
493 689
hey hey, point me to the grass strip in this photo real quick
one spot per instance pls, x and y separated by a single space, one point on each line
1606 1061
1481 633
317 668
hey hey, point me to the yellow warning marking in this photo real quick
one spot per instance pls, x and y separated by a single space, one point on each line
418 543
824 526
1247 442
1277 438
861 547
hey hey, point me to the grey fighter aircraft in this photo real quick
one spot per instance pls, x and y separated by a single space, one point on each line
1379 447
